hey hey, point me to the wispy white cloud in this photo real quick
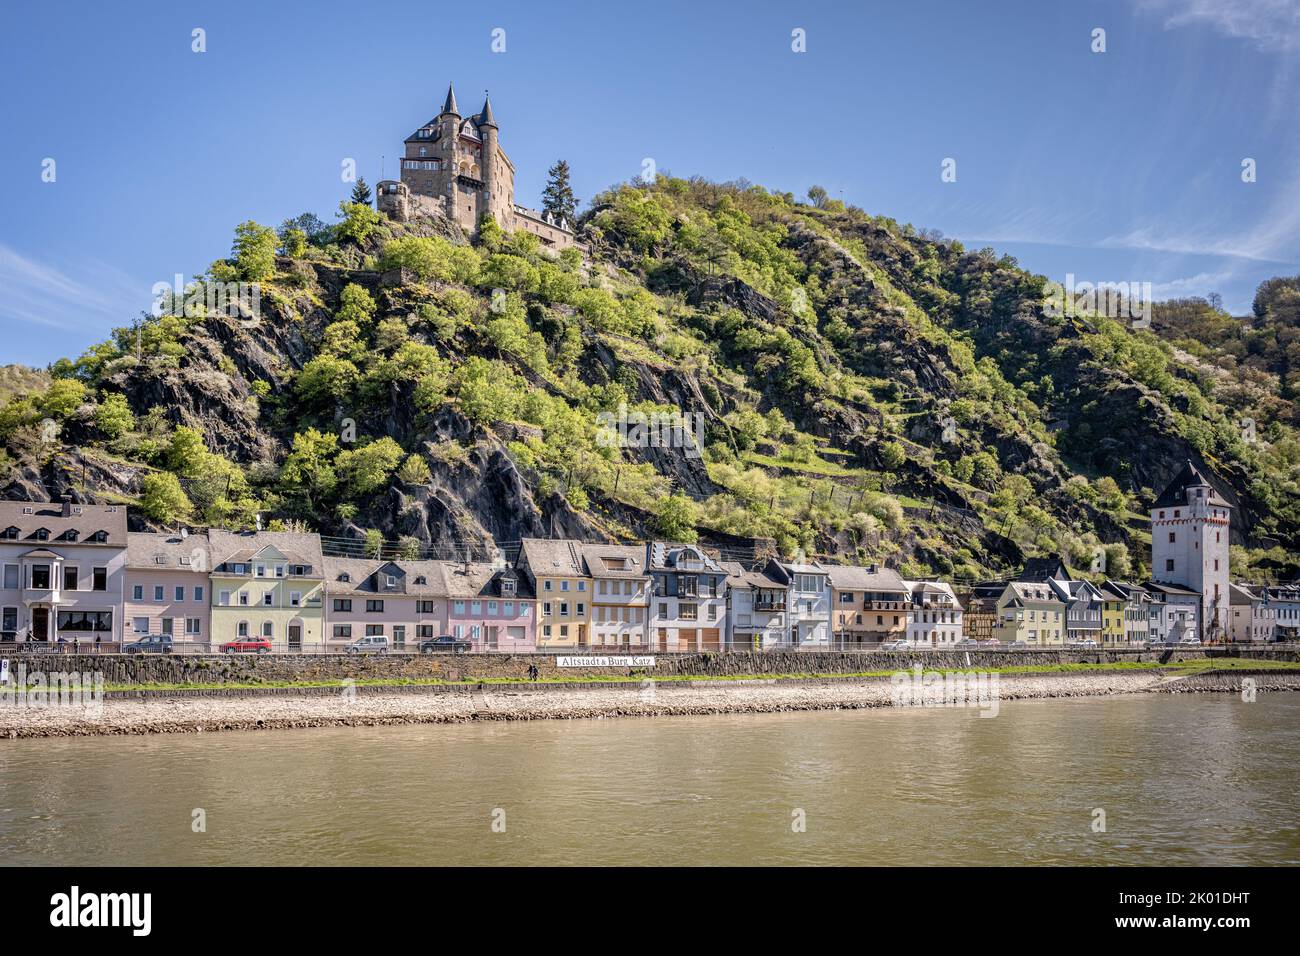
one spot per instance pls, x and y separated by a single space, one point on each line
96 296
1270 24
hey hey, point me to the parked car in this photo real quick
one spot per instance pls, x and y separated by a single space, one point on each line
375 644
149 644
968 642
1019 645
444 642
1086 642
991 642
247 645
896 646
1189 641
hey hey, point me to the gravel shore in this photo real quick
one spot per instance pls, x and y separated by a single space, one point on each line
181 714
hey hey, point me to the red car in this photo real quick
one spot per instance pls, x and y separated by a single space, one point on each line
247 645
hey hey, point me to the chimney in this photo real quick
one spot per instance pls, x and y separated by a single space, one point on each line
67 505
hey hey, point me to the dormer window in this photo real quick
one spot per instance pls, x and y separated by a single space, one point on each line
41 534
10 533
421 579
508 587
390 581
99 537
345 577
70 534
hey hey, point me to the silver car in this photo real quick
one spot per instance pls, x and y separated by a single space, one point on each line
368 645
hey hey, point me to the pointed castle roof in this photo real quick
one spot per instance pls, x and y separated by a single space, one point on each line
449 106
1189 476
485 118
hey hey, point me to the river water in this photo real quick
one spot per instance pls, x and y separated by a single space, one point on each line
1196 779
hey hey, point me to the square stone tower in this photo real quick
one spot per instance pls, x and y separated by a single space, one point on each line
1189 545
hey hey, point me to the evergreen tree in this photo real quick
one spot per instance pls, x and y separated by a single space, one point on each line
361 192
558 198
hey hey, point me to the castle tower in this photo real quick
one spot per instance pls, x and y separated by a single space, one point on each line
487 128
448 125
1189 545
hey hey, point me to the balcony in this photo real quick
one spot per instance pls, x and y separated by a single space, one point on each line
769 606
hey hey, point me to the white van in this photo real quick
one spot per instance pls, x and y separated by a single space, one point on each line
368 645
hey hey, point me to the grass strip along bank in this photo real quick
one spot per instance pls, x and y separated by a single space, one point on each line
1174 668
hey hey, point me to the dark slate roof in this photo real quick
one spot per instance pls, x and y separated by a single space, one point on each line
85 520
449 105
482 580
1189 476
1044 569
361 574
486 118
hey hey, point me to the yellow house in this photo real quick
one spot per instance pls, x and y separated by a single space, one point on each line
1029 611
1114 606
267 584
563 591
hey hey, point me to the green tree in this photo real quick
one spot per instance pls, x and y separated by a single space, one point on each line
294 243
64 396
113 416
163 499
309 466
187 455
254 251
557 197
675 518
361 192
355 305
374 543
818 197
360 222
326 379
368 468
414 471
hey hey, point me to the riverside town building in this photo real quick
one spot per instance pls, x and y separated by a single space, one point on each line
73 575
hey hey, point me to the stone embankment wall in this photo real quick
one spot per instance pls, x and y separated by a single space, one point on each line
278 668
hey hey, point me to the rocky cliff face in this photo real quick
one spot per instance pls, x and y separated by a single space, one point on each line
864 393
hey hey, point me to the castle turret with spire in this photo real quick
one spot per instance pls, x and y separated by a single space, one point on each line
454 166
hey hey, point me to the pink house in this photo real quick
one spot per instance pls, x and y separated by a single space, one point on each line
404 601
492 607
166 589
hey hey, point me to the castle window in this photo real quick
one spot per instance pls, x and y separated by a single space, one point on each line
423 151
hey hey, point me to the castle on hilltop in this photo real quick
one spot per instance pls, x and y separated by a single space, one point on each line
454 166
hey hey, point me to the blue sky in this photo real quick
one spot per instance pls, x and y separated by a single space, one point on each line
1115 166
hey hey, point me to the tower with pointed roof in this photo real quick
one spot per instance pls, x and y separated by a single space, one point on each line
454 166
1190 522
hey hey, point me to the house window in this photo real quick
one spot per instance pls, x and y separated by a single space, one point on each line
11 577
423 631
424 607
268 629
581 610
192 625
295 599
69 577
373 607
492 607
564 585
1169 564
342 630
140 625
507 587
157 592
99 579
475 607
459 607
508 609
268 598
167 626
41 577
198 593
137 592
242 629
546 609
180 592
243 598
342 604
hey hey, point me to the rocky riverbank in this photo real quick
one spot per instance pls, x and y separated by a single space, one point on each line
179 713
